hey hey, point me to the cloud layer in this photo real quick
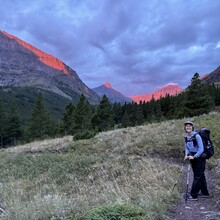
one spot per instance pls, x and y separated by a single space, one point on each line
138 46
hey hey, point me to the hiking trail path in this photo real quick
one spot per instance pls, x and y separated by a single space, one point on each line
204 208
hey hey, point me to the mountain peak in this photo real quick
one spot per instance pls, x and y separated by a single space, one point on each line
170 88
213 77
204 76
112 94
23 65
170 85
107 85
44 57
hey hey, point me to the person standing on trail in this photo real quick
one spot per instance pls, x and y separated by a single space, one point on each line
193 154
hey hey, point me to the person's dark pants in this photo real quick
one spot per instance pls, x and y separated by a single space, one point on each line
199 181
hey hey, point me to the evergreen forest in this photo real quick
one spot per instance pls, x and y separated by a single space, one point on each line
83 120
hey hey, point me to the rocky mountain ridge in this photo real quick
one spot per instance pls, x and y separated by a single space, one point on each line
112 94
213 77
171 89
23 65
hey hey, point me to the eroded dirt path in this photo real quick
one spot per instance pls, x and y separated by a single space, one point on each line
204 208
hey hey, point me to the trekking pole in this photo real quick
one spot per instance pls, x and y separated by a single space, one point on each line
187 182
178 177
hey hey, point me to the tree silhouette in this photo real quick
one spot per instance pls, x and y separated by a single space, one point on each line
103 117
2 123
13 126
83 115
40 124
125 120
197 101
67 120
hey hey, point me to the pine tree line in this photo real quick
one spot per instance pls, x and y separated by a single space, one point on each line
83 120
9 125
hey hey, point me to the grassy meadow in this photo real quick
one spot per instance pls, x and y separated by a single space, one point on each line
121 174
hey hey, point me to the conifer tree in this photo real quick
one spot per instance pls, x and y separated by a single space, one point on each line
165 104
151 110
158 113
40 124
146 110
137 116
130 108
125 120
82 115
2 123
214 92
117 113
103 117
13 126
173 108
67 120
197 101
217 96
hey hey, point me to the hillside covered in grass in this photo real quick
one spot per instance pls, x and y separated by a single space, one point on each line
121 174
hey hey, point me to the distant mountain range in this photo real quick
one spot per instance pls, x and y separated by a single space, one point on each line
26 71
115 96
112 94
171 89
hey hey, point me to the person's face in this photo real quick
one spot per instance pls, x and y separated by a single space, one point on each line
189 128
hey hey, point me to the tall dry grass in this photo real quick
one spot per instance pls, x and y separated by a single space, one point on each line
47 145
128 171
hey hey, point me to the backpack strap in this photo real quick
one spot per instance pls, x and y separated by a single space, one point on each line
193 139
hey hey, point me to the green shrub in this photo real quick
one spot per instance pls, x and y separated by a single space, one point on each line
116 212
84 135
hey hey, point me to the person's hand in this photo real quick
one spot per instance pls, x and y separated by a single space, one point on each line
190 157
186 157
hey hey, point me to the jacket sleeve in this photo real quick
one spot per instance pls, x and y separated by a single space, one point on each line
186 148
199 145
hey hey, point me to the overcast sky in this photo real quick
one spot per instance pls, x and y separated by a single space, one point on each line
136 45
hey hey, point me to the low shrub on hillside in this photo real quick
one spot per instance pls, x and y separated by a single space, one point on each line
116 212
84 135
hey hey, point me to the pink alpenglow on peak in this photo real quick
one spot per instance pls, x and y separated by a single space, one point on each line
44 57
204 76
169 89
23 65
107 84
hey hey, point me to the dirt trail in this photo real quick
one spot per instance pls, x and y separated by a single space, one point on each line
204 208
